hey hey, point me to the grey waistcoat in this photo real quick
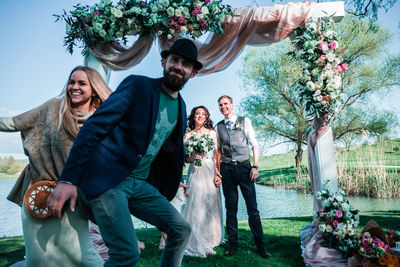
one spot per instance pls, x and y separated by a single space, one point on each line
234 144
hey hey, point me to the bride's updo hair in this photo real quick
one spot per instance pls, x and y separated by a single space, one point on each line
207 124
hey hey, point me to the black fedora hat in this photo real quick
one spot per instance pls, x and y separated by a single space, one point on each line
184 48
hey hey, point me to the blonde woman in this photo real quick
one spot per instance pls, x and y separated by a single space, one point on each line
48 132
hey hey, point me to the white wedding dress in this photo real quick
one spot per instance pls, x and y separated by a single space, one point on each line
203 208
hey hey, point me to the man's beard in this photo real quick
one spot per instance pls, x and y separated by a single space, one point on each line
173 82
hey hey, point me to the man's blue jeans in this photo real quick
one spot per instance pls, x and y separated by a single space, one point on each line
112 211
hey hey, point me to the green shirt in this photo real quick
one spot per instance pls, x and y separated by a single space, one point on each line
166 121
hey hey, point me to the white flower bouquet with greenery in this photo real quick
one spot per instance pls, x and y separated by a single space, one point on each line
199 143
337 220
105 21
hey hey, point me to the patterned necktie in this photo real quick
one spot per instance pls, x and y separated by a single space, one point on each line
229 125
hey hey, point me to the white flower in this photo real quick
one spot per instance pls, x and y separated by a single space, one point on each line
318 84
328 66
326 204
338 61
170 11
98 26
103 33
319 98
329 229
200 16
178 12
310 85
317 93
322 227
204 10
197 4
169 36
117 13
165 2
184 29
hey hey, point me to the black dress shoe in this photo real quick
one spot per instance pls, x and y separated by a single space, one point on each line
230 251
264 253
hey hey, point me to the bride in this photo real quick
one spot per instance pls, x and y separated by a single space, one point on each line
203 208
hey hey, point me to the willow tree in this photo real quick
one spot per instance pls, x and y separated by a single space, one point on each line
269 77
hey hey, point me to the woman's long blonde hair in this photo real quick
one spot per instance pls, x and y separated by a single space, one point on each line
67 113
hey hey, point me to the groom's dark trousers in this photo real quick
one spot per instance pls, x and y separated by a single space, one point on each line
234 176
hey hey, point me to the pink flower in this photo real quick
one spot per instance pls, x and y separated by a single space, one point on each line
96 13
381 244
171 22
178 27
345 66
181 19
333 45
339 214
87 20
202 24
143 4
335 223
322 57
196 11
338 69
207 1
323 46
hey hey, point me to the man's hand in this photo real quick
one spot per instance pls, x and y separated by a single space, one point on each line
253 174
185 189
61 194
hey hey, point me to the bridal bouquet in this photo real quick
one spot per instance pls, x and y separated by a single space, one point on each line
200 143
337 220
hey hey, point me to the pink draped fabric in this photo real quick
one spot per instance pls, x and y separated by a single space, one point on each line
253 26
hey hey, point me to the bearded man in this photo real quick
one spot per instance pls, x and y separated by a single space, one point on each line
128 159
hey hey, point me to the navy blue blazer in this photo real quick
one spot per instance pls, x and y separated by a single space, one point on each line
114 139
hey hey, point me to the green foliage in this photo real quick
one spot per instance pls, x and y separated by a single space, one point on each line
10 166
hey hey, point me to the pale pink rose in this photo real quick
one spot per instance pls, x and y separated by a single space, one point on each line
328 66
335 223
331 58
337 60
345 66
333 45
339 214
323 46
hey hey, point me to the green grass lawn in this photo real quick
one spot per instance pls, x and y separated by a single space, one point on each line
281 237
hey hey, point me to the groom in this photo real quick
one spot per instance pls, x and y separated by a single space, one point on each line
235 134
129 154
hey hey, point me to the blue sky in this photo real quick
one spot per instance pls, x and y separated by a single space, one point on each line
34 64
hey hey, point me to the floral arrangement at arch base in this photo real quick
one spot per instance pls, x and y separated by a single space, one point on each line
105 21
318 48
337 220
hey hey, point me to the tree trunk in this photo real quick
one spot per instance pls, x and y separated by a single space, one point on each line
299 155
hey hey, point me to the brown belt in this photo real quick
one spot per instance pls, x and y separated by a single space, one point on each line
234 162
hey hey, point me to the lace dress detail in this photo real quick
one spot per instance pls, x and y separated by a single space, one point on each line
203 208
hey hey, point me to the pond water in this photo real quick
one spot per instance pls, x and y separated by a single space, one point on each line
272 203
